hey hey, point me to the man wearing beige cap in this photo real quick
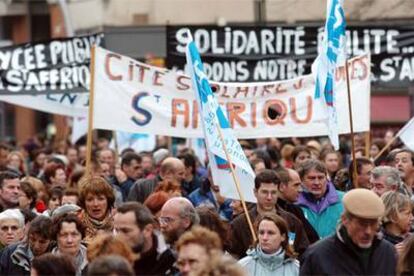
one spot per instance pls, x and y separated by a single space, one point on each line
355 248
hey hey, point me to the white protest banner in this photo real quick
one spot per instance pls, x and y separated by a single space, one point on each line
67 104
135 97
50 76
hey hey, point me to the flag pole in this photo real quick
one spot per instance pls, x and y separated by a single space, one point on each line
90 114
348 86
367 143
386 147
237 182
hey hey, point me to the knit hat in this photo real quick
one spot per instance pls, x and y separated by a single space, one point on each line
363 203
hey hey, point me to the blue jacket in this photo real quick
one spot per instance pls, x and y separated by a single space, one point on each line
323 214
199 198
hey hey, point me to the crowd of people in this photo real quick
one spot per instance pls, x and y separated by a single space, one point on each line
159 213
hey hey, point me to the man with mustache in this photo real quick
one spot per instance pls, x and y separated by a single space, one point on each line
355 248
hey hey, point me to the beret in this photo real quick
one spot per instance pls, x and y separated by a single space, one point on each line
363 203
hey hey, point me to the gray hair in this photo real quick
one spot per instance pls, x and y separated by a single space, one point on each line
392 175
311 164
13 214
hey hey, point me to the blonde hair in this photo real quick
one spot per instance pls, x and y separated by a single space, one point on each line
394 203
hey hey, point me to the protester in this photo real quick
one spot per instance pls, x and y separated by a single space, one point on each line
364 168
15 161
134 224
300 154
97 199
9 190
355 248
68 232
16 259
209 195
39 160
385 179
195 248
130 171
320 201
404 161
266 186
236 208
51 264
287 196
28 196
172 169
332 161
148 165
70 196
55 176
397 219
54 200
42 195
271 254
177 216
191 180
11 227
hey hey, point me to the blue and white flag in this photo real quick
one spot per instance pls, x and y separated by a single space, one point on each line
332 55
213 118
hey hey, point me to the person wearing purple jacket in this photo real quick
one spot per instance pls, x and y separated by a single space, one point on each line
320 201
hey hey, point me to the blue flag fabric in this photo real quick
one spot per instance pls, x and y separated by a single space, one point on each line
332 55
213 118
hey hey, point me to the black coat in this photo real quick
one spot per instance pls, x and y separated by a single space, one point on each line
8 267
334 256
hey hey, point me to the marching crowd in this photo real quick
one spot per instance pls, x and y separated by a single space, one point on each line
158 213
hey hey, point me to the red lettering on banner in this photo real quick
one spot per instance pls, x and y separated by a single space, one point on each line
253 114
108 72
241 89
280 89
225 95
299 84
142 69
130 71
157 76
309 110
266 89
234 109
277 105
195 114
176 111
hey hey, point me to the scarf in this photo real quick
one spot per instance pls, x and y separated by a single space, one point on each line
94 225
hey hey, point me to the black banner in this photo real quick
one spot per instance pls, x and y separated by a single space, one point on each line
56 66
253 54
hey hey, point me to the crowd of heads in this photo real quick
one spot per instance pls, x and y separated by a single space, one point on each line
162 212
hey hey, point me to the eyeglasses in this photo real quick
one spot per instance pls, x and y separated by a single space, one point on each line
166 220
